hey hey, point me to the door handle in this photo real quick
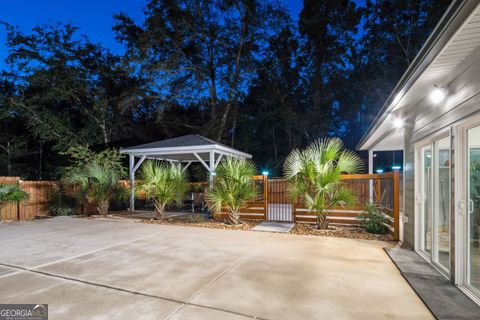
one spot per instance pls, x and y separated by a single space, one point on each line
471 206
461 206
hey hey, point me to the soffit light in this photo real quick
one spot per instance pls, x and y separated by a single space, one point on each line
398 123
438 94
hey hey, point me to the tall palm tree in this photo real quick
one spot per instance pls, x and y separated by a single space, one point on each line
97 183
164 184
314 176
11 193
233 188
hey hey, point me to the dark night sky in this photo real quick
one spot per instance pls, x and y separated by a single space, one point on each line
94 17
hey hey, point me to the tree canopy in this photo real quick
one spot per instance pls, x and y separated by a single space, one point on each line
243 72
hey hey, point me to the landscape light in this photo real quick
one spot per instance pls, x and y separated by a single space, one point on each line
265 173
438 95
379 170
396 167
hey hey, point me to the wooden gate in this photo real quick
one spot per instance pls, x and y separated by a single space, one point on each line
279 205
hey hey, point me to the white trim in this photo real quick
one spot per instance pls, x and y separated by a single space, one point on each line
187 165
218 160
201 161
139 163
187 150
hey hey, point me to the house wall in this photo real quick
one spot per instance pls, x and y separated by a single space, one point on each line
425 119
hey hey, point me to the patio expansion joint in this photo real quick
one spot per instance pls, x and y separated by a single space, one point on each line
19 268
153 296
220 275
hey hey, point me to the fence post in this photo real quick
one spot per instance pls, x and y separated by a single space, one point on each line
265 196
378 190
18 202
396 205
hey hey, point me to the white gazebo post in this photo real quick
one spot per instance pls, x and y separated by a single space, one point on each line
132 168
211 164
370 171
132 183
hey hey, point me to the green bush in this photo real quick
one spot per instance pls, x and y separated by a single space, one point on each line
11 193
373 219
61 204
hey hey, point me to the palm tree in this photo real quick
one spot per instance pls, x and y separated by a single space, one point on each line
233 188
11 193
314 176
97 183
164 184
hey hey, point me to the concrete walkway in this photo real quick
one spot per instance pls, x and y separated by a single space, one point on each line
87 269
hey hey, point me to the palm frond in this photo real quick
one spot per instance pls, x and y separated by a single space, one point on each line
233 187
12 193
315 173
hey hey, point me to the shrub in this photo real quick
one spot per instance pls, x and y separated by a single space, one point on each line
315 173
11 193
373 219
97 184
196 218
61 204
165 184
233 188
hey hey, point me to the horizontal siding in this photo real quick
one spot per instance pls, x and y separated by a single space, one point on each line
409 191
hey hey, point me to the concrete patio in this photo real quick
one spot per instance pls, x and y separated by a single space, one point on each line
88 269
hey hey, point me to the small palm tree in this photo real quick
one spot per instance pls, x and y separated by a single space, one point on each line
314 176
98 185
233 188
11 193
164 184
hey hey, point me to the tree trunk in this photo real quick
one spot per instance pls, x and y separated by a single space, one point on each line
159 210
40 156
233 217
322 221
102 207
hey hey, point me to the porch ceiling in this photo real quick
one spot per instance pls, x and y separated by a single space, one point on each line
448 52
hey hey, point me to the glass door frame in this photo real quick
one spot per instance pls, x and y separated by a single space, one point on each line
461 207
419 225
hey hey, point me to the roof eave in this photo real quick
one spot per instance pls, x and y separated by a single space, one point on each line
424 57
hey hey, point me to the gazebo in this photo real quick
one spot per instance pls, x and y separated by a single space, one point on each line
184 150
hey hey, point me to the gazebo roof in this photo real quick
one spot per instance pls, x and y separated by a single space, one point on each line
186 148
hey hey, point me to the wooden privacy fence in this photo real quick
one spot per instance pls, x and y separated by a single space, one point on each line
379 188
38 202
383 189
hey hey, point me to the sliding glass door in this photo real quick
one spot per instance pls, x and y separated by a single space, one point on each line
473 207
434 206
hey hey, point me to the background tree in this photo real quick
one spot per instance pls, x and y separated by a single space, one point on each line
239 71
201 51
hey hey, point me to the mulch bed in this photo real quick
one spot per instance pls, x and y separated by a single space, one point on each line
339 232
207 223
200 221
